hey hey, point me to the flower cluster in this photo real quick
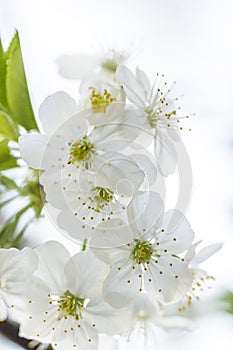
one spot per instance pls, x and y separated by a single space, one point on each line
103 162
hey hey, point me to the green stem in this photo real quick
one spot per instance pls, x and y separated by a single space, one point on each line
84 246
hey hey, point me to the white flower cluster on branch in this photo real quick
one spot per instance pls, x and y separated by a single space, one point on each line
103 165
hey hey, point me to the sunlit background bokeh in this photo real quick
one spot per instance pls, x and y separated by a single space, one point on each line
190 41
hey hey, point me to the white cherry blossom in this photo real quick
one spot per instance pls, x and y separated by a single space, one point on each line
87 199
147 317
64 305
71 142
146 254
86 67
159 113
201 279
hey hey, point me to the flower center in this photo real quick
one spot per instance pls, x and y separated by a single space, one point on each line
80 150
110 65
100 102
101 196
70 305
142 252
155 115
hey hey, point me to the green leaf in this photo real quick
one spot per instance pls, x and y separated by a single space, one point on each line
7 161
2 76
8 183
8 129
18 99
8 232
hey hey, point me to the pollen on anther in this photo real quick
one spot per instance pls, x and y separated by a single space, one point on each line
128 281
160 272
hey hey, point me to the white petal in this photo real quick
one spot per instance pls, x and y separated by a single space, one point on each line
78 336
165 285
148 167
89 274
16 268
145 211
52 259
121 286
107 319
176 235
113 137
165 154
31 315
55 110
132 86
114 113
206 253
32 147
74 226
112 234
109 243
191 252
121 174
143 306
144 81
77 66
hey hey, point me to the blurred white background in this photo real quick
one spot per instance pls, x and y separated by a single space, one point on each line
187 40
